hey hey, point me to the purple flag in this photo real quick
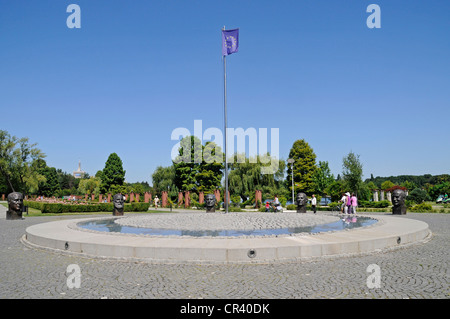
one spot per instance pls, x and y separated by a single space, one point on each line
230 41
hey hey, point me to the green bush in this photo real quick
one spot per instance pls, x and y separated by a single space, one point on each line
291 207
418 195
422 207
57 208
334 204
369 204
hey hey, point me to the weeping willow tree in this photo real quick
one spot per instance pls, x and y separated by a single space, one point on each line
246 176
19 163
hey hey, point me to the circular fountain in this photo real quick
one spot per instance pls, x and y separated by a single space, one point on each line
232 237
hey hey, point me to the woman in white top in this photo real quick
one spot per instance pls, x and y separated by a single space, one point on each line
344 202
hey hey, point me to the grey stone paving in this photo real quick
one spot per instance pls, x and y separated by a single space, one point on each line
418 271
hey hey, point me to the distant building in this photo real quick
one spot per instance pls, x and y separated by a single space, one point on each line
78 173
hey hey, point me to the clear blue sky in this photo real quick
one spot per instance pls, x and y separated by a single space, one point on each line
136 70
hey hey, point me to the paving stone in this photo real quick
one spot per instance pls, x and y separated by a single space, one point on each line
416 271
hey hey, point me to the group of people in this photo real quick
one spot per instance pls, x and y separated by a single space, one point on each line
276 205
349 203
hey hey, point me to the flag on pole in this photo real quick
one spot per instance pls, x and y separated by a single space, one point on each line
230 41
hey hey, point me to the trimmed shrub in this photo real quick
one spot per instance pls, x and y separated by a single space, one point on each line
368 204
291 207
423 207
57 208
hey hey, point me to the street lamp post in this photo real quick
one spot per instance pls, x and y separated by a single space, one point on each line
291 161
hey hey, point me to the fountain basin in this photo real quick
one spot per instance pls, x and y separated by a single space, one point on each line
63 237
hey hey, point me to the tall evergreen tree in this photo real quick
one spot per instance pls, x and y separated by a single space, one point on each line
113 173
304 167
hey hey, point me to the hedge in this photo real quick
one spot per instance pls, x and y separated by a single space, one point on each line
57 208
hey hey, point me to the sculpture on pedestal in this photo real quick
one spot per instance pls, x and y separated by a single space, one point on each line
210 203
15 206
118 205
398 202
302 200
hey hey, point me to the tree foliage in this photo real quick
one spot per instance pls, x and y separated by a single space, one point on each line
18 163
246 176
304 167
322 178
198 167
50 186
89 185
352 172
113 173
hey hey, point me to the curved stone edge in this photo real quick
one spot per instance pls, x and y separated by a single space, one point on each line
58 237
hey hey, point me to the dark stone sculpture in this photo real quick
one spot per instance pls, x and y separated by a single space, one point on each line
210 203
302 200
118 205
15 206
398 202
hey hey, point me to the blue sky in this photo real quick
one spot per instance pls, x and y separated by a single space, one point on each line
137 70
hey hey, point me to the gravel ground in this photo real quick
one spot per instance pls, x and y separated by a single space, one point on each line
218 221
419 271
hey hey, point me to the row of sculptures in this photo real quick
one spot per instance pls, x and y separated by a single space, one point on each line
15 204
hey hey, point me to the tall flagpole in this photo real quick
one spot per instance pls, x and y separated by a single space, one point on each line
225 125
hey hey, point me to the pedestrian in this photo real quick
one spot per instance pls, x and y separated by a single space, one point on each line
354 201
156 200
344 203
314 203
349 203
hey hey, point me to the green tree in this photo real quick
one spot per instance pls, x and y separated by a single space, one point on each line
246 177
352 173
211 169
187 163
163 178
113 173
89 185
371 186
387 184
18 158
304 167
322 178
418 195
336 189
198 167
50 186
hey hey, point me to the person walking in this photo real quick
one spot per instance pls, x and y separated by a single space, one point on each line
349 203
354 202
314 203
156 200
344 203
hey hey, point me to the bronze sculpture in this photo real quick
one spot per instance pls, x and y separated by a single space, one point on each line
398 202
118 205
210 203
15 206
302 200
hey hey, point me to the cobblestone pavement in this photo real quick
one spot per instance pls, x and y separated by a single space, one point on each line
417 271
